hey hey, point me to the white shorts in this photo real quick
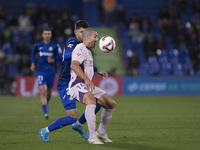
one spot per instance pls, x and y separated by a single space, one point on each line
80 89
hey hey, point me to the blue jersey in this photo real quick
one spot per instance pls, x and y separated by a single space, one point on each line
66 60
53 50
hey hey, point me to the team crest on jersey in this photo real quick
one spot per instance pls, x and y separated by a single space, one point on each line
78 54
70 98
70 45
50 48
40 48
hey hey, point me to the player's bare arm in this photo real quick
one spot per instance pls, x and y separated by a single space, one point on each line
50 59
102 73
32 67
75 66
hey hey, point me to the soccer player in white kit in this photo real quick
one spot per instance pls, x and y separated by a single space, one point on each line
82 88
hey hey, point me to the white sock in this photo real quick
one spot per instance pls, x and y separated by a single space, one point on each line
106 115
91 119
47 129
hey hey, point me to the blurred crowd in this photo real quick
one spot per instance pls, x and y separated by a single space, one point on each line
171 37
163 39
20 31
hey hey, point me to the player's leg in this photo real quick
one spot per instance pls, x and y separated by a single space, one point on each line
78 125
90 101
50 83
109 105
79 91
60 122
49 91
43 93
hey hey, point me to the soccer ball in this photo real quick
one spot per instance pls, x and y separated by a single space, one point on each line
106 44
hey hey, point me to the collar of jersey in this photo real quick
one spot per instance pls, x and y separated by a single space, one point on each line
77 40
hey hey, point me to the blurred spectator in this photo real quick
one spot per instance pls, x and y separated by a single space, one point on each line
2 15
182 5
173 12
2 56
149 46
37 34
7 34
159 42
3 80
108 11
121 15
64 13
133 64
134 28
112 72
24 66
58 29
101 13
21 48
53 13
145 23
13 22
196 6
42 12
163 17
197 62
24 22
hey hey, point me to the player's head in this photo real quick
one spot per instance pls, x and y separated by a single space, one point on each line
80 25
90 37
46 35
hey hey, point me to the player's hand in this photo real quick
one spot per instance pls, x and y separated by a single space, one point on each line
32 67
50 59
103 73
90 85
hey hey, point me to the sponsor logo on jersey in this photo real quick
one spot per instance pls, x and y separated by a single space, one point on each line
70 45
45 54
71 98
78 54
50 48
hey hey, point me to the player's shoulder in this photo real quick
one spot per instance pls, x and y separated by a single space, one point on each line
38 44
71 44
54 43
81 47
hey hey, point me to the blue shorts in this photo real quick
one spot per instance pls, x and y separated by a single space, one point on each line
67 100
44 79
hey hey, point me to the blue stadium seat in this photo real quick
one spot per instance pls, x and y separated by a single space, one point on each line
12 70
143 70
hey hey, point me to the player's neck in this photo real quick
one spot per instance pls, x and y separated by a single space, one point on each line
46 41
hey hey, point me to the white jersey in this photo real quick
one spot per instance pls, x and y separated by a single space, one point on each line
84 56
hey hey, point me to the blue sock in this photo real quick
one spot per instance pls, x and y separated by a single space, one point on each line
44 107
48 99
61 122
82 119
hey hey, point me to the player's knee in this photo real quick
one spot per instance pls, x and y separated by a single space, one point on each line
89 99
112 104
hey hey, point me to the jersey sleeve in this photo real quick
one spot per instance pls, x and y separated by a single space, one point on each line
70 45
58 53
35 50
78 55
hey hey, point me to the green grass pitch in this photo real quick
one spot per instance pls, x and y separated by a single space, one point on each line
138 123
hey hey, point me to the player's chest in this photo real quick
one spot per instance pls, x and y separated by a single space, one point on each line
88 59
46 50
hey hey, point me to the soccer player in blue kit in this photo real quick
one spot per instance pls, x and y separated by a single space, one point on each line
68 102
48 53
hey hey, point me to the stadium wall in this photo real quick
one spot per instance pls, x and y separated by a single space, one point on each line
27 86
